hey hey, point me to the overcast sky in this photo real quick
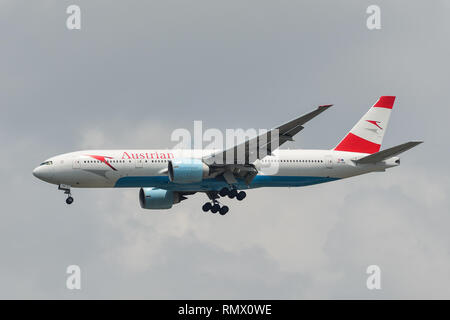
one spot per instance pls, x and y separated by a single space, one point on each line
137 70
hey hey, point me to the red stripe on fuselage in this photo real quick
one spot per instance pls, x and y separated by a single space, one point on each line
102 159
353 143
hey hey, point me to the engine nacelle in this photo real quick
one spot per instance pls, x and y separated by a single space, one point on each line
154 198
187 170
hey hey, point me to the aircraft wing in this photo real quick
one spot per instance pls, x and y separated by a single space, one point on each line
262 145
240 157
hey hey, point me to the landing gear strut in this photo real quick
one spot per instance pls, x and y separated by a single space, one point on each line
66 190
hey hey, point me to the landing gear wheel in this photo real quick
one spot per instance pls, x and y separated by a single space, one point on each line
241 195
69 200
206 207
223 211
223 192
215 208
66 189
233 193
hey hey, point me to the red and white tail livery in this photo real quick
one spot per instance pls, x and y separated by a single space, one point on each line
367 135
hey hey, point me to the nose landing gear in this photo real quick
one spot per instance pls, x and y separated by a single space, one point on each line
66 190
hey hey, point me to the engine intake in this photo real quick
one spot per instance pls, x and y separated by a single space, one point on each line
154 198
187 170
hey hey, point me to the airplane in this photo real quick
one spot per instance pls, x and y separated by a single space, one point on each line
168 177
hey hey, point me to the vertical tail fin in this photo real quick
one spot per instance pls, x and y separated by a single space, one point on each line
367 134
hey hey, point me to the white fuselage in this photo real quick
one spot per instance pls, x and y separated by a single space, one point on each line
148 168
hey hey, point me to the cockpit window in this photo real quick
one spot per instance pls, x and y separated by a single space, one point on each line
46 163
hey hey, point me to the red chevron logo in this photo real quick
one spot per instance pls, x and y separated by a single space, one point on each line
375 123
103 159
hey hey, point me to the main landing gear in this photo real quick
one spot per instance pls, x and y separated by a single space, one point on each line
214 206
66 190
232 193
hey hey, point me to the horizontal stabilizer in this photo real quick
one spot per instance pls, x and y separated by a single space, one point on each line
388 153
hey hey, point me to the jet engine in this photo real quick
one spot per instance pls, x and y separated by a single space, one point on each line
187 170
154 198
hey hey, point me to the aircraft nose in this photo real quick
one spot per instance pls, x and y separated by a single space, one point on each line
37 172
43 172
